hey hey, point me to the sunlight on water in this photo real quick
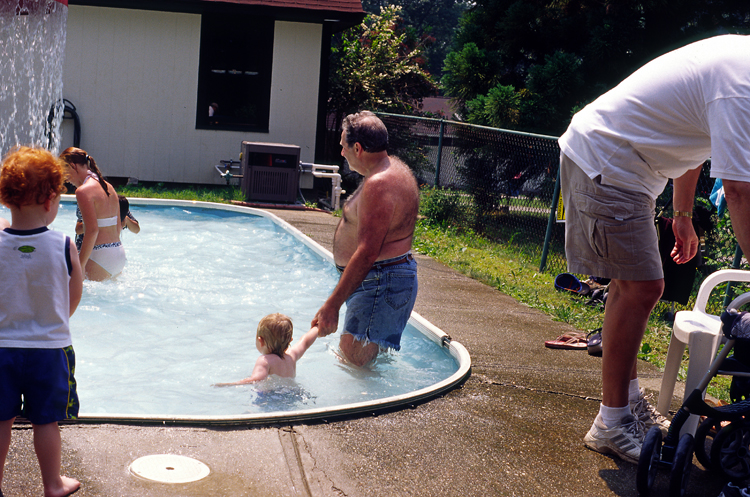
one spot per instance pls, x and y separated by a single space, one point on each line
183 315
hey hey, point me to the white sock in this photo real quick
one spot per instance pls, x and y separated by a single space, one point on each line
634 393
612 416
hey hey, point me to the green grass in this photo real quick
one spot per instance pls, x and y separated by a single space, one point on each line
218 194
507 269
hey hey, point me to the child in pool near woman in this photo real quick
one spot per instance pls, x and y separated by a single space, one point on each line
40 288
272 340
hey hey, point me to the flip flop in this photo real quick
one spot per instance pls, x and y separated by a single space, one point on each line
571 340
567 281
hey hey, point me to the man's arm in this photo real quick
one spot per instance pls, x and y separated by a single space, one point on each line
375 212
686 241
738 201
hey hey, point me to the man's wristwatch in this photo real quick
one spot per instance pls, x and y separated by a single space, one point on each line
683 214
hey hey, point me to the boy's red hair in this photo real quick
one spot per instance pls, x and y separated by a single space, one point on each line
30 176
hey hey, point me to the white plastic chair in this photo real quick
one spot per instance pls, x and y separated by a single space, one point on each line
701 333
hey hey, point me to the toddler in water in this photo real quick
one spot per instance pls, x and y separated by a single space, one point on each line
272 341
40 287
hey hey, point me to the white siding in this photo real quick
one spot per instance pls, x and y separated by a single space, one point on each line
294 85
133 77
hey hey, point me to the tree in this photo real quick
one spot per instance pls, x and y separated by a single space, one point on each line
468 73
560 54
434 21
500 108
375 68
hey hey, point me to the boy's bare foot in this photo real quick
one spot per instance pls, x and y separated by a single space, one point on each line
69 486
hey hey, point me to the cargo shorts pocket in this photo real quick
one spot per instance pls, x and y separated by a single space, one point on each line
613 241
611 227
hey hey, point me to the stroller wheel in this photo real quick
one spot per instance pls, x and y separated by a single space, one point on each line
649 461
681 466
730 451
704 437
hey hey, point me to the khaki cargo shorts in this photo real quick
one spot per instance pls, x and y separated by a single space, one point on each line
609 231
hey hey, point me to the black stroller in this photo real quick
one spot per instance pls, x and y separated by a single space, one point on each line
722 441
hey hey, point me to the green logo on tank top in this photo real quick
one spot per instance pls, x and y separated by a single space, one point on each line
26 249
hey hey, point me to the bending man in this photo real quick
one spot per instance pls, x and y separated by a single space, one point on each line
662 122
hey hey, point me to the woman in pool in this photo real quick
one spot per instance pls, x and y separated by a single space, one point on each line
102 254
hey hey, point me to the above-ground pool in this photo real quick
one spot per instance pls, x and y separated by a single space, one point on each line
183 314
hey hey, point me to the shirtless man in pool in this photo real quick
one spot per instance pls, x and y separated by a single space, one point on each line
372 246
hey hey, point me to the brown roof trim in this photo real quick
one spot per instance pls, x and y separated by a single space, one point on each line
339 14
354 6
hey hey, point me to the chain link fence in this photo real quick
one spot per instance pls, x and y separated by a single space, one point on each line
499 183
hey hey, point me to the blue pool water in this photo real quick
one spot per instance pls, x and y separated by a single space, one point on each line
183 316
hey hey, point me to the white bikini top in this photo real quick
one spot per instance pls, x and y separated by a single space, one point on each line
107 221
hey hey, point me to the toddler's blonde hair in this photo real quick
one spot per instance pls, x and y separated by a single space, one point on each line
277 330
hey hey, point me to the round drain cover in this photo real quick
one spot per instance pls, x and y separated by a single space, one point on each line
169 468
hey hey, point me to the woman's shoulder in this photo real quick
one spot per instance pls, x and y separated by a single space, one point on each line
94 189
85 191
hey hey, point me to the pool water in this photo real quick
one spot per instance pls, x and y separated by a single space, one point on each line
183 314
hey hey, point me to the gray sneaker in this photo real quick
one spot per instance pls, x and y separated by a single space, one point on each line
648 415
624 440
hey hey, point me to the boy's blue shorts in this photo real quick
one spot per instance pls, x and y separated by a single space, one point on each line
38 384
380 307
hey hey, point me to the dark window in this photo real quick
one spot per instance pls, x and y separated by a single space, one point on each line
235 72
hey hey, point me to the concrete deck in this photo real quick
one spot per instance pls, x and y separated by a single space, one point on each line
515 427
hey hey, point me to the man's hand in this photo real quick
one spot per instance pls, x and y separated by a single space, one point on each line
327 320
686 241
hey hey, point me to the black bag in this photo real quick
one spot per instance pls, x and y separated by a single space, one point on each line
678 278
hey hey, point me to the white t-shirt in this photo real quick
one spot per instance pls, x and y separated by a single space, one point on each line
669 117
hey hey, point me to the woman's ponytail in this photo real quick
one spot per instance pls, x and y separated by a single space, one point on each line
93 167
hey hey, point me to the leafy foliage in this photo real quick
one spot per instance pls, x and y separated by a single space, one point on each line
375 68
433 21
442 207
557 55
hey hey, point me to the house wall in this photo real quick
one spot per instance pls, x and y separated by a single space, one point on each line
133 78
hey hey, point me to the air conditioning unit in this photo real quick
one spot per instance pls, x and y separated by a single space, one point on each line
270 171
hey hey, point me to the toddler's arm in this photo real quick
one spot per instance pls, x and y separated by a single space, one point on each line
299 348
260 372
132 223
